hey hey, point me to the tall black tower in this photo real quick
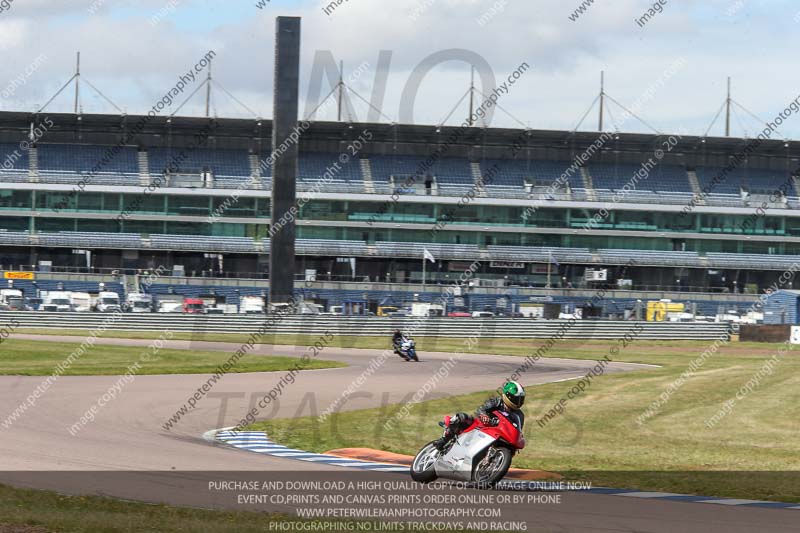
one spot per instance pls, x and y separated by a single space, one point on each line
284 168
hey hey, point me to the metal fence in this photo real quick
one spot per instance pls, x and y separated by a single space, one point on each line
365 326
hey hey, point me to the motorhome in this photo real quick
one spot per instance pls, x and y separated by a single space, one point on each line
308 308
139 302
60 301
81 301
107 302
170 306
251 305
427 309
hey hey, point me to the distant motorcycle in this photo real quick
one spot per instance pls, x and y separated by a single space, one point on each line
407 350
480 454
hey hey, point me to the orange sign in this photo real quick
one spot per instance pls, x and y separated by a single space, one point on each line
18 275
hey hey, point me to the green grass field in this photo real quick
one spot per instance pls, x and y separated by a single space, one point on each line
598 438
751 453
39 358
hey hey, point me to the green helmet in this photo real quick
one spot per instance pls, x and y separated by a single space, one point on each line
513 395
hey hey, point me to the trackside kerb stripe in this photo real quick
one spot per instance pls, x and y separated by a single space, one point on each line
258 442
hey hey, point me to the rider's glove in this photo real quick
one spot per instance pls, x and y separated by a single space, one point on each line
487 420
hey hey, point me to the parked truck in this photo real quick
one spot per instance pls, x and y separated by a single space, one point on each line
193 306
11 300
107 302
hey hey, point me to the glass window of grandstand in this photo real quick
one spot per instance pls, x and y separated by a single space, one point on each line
50 200
741 224
56 224
304 232
549 218
226 206
413 213
326 210
188 205
792 226
146 227
14 223
675 221
143 203
263 208
234 230
635 220
15 199
188 228
98 225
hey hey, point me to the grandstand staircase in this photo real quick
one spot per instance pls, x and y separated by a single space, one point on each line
144 167
366 174
33 164
255 169
588 184
477 177
694 183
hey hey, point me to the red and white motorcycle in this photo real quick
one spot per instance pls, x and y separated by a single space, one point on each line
480 454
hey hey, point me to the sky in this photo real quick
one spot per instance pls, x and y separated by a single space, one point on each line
670 69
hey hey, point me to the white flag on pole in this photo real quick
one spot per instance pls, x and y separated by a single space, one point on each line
427 255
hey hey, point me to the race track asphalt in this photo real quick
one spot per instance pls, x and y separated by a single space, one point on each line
173 466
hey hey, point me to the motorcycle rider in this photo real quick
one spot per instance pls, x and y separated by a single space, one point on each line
511 399
397 343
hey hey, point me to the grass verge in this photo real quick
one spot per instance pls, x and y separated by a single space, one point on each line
35 511
39 358
751 452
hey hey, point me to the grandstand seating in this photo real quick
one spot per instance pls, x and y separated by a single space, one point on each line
662 178
75 158
539 254
649 257
14 237
203 243
515 172
225 163
96 240
446 170
753 180
416 250
14 158
328 247
312 166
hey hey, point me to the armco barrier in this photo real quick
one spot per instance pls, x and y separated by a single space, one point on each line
364 326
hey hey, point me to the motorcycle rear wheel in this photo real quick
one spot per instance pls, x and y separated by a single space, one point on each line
422 470
493 466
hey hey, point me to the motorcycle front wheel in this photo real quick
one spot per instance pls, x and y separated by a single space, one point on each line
422 470
493 466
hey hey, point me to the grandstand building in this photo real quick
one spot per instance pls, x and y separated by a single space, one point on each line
535 207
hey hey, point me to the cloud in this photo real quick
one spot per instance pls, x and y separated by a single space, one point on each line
133 62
